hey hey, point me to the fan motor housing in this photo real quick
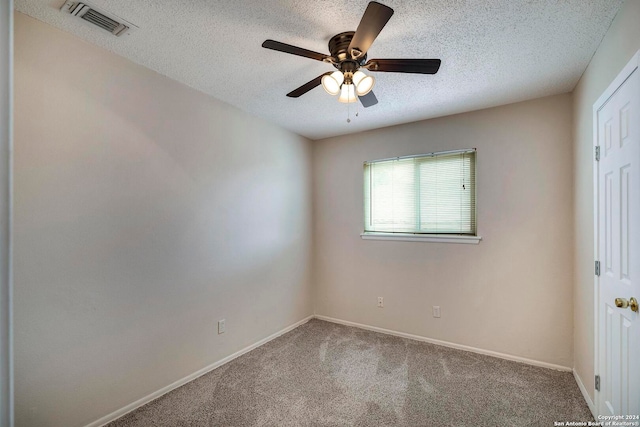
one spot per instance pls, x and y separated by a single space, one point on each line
339 48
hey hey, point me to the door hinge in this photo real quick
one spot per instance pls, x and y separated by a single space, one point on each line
597 153
597 268
597 382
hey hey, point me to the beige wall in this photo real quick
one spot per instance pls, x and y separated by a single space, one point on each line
144 212
512 293
620 43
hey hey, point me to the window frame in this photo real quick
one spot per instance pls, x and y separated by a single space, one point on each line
426 237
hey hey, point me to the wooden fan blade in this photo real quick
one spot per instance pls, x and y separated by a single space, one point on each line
368 100
294 50
419 66
373 21
306 87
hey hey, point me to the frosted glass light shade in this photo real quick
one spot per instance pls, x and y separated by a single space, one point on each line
347 94
363 83
331 82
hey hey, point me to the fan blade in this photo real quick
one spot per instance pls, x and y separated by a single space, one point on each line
373 21
368 100
306 87
420 66
294 50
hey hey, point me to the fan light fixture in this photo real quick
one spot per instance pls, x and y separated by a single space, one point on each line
331 82
363 83
360 84
347 94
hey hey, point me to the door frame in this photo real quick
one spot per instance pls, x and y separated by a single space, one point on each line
631 66
6 150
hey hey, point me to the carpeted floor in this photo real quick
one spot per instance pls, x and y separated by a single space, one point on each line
323 374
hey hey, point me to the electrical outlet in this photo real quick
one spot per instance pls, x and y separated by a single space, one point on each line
436 311
222 327
380 302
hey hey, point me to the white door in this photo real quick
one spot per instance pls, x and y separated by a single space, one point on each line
617 122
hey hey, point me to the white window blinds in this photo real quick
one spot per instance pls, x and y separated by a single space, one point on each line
429 194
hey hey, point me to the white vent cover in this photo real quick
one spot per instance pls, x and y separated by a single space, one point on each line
107 21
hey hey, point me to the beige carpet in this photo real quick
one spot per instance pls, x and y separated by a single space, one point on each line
323 374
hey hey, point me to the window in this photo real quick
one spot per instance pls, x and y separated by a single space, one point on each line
428 194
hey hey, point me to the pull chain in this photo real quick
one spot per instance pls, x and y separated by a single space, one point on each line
464 187
348 105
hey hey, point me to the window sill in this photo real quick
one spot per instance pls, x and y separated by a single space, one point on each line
435 238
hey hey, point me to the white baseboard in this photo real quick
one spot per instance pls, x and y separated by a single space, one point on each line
143 401
585 394
447 344
140 402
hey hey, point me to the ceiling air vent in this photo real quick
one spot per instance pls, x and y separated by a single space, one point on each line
107 21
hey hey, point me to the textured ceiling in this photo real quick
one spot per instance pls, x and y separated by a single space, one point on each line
493 52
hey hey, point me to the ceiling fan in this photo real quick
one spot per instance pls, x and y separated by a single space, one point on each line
349 55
